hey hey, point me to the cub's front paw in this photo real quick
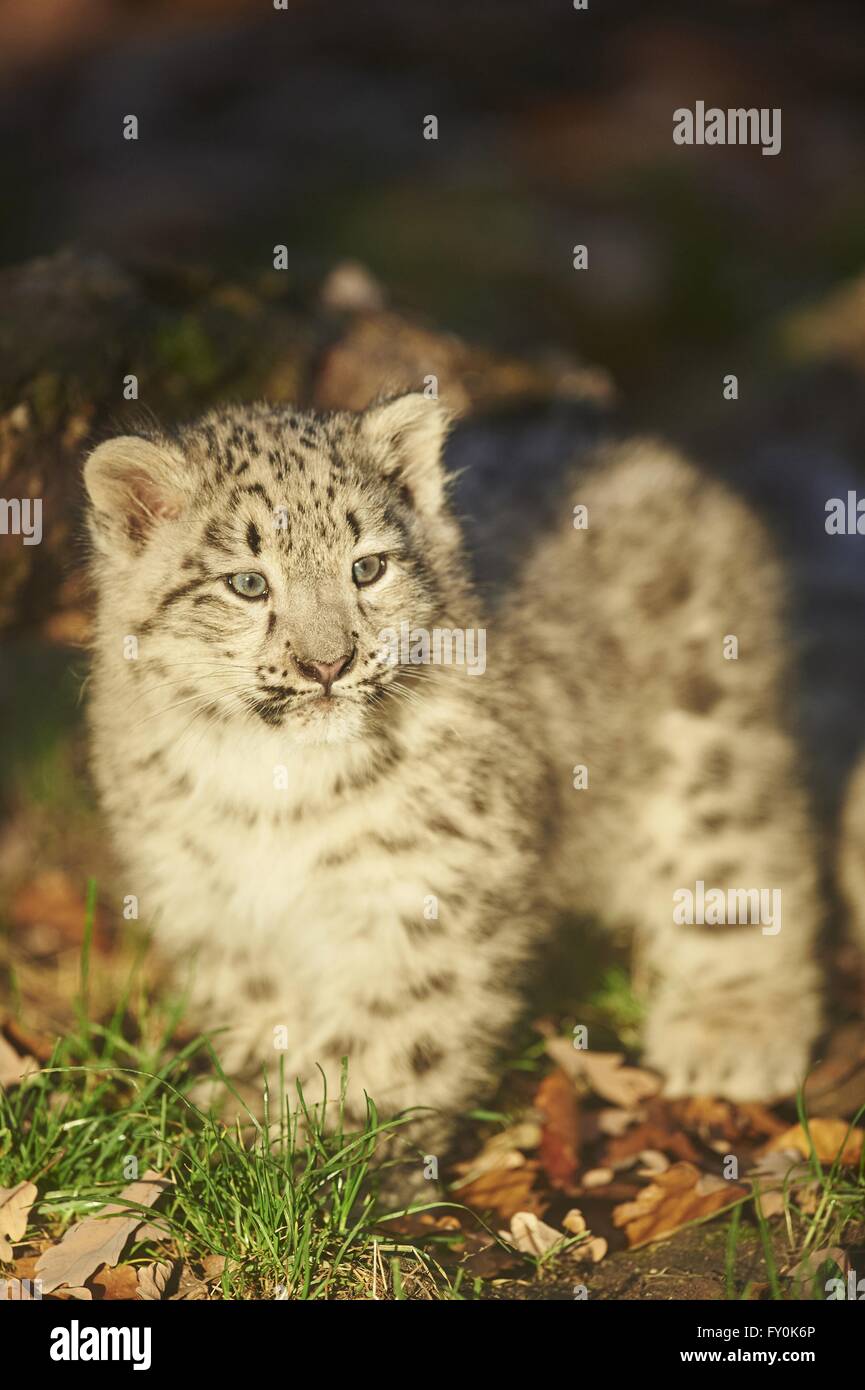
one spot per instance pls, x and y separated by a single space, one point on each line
755 1058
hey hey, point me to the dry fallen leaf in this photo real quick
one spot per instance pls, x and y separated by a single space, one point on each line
153 1281
711 1118
829 1138
505 1191
503 1150
448 1222
98 1240
14 1068
653 1162
674 1199
811 1265
654 1134
574 1222
773 1168
15 1204
119 1282
213 1265
597 1177
530 1235
153 1231
604 1073
756 1292
487 1162
21 1281
616 1122
556 1101
594 1249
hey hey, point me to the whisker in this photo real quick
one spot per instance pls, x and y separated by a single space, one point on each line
180 680
166 709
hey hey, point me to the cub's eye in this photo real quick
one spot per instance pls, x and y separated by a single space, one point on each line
368 570
248 585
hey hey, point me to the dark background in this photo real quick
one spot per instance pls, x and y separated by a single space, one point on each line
304 127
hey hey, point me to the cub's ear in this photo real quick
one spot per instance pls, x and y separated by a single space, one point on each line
406 437
133 485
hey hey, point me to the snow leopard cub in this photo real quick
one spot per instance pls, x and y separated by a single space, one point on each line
357 853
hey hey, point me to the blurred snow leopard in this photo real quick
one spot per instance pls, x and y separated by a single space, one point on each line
356 850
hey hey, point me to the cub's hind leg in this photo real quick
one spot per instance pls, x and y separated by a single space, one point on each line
724 886
653 644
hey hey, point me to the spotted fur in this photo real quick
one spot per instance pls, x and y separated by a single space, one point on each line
370 873
851 853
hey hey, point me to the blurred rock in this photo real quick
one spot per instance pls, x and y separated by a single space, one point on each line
351 289
382 354
75 327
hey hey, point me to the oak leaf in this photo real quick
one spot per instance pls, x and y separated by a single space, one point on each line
503 1190
531 1235
604 1072
98 1240
15 1204
674 1199
556 1101
118 1282
828 1137
153 1280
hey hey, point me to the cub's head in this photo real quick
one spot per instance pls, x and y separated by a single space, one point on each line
257 556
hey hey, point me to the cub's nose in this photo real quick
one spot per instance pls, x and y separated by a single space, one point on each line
325 672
